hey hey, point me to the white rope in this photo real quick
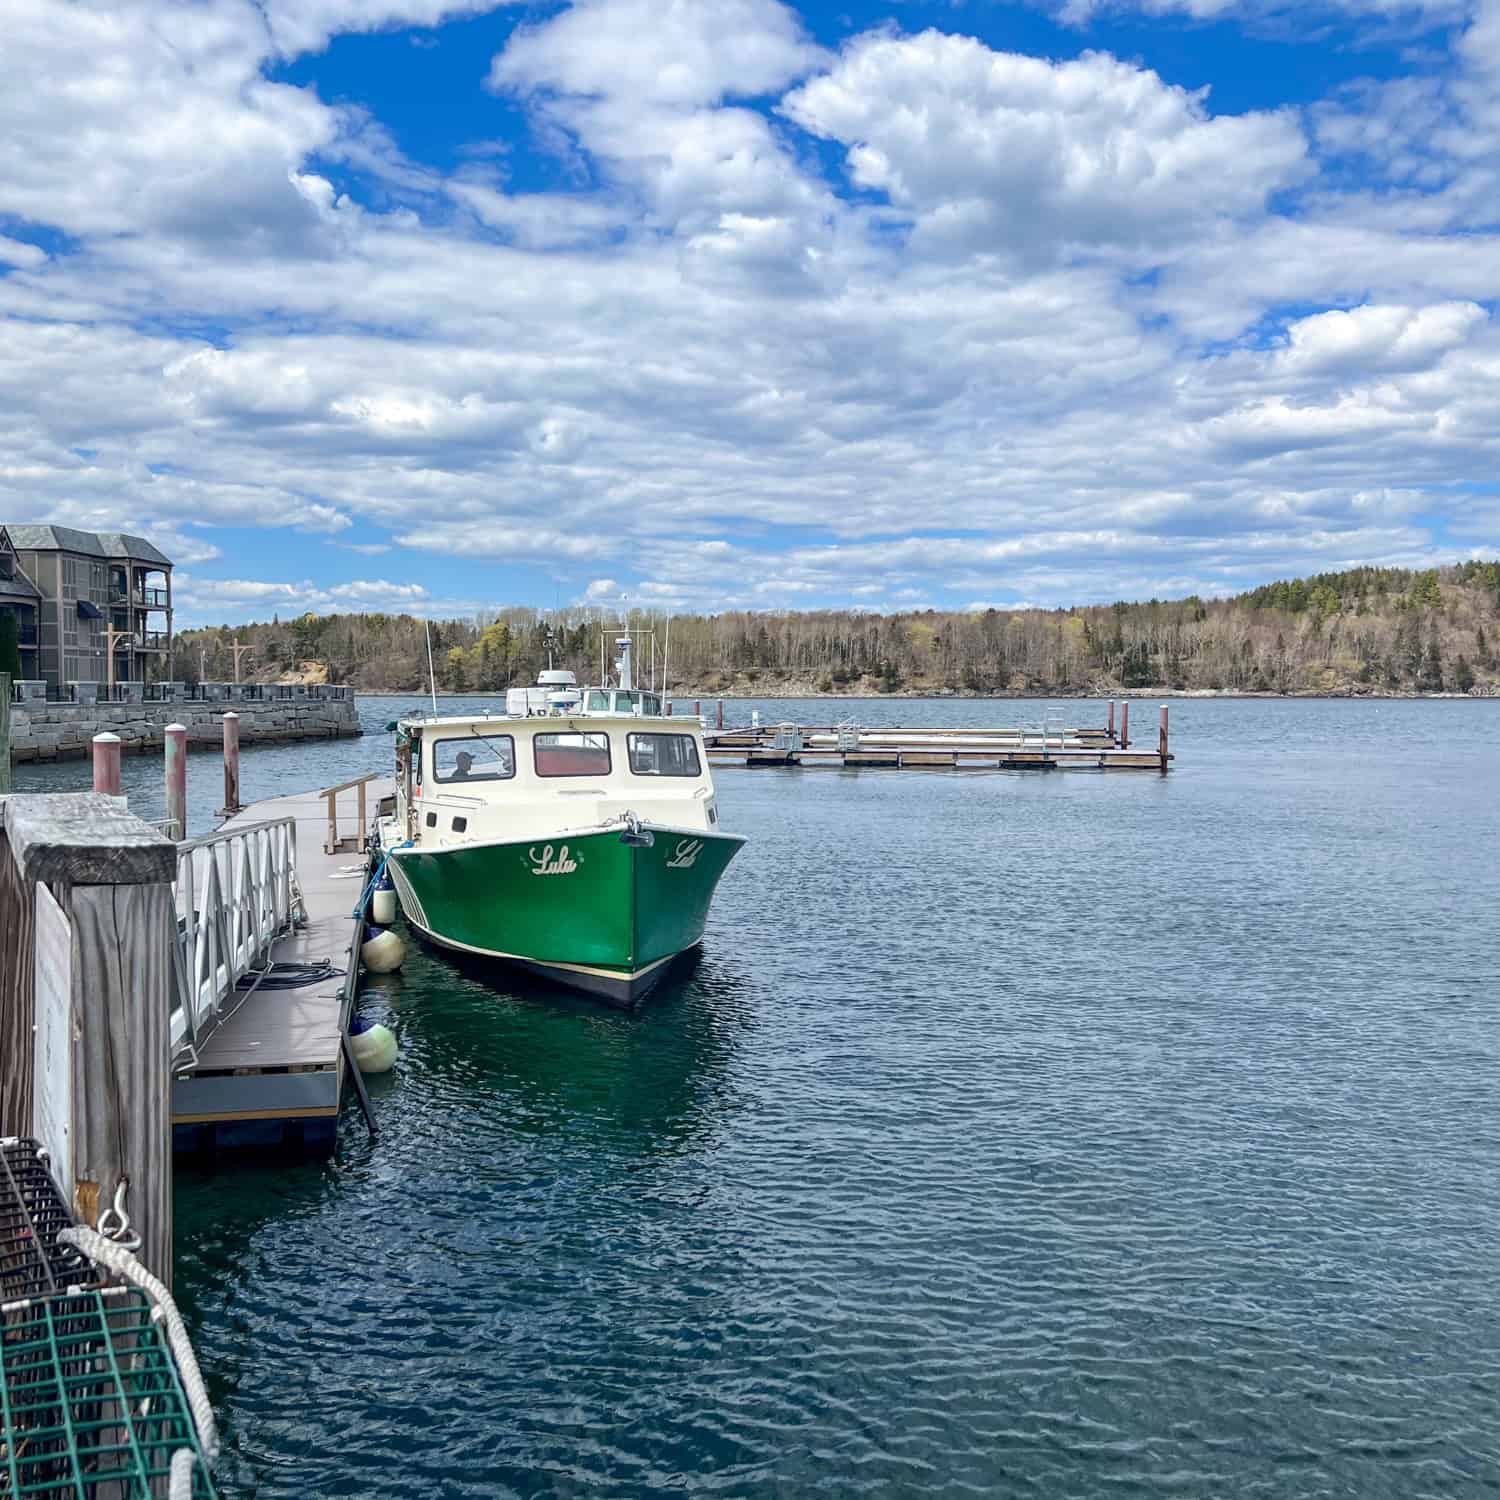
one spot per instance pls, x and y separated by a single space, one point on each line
119 1260
180 1485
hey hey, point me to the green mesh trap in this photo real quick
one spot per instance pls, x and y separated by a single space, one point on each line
91 1407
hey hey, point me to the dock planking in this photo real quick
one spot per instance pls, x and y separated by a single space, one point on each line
272 1071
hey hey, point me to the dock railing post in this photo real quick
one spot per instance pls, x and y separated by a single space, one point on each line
174 741
1125 723
231 764
1164 755
87 927
107 764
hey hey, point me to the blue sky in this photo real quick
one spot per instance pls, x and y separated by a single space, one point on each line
444 304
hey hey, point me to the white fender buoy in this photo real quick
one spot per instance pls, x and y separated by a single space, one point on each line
383 903
382 952
374 1047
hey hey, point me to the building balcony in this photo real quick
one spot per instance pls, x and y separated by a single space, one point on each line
150 640
141 597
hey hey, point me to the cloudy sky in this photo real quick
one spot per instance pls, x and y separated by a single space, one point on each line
445 304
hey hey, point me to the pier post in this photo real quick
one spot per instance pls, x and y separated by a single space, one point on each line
87 926
719 722
1163 747
107 764
174 738
231 764
1125 723
669 708
697 708
1111 720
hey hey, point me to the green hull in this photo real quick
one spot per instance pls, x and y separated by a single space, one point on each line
602 911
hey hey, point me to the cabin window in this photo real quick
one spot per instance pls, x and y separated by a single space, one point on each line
571 754
432 820
598 702
460 825
663 755
489 757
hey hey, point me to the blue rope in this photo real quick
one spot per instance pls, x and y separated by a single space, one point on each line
359 907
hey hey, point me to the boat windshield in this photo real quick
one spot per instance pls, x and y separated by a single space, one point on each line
663 755
474 758
569 754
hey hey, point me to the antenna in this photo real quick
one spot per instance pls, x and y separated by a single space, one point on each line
431 675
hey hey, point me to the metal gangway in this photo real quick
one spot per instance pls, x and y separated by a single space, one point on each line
236 896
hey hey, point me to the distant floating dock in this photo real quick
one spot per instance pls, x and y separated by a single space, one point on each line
1048 745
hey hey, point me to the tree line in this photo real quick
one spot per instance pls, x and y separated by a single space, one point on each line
1364 630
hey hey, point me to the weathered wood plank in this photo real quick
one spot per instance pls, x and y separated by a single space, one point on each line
122 995
83 838
17 994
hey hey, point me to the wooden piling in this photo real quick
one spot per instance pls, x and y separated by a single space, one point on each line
87 924
669 708
1165 757
697 708
719 721
1111 725
231 765
174 738
107 764
1125 723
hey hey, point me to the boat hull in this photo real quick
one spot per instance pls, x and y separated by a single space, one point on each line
602 911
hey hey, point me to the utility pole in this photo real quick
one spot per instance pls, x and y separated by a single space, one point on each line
111 638
237 648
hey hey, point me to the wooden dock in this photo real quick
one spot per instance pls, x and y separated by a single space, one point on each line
1050 745
270 1069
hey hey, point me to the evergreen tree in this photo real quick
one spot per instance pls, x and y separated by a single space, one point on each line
1463 676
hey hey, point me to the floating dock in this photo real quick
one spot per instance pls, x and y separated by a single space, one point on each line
1049 745
273 892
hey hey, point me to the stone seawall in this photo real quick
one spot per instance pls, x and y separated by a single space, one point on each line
55 731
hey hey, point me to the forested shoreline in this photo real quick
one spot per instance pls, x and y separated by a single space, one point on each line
1365 631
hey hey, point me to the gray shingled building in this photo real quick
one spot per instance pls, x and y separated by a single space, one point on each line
70 589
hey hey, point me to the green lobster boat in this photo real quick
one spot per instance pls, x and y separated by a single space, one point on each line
583 846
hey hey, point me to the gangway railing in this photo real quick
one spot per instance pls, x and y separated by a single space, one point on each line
333 843
236 895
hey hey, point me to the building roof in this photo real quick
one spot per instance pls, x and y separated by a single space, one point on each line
19 587
92 543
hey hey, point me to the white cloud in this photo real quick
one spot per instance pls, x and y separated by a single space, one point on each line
993 150
18 253
1373 338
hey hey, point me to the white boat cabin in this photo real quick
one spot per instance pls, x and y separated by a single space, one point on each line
492 779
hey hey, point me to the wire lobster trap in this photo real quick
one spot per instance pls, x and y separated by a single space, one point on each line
32 1213
100 1394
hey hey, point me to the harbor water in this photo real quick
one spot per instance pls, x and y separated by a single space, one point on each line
1057 1134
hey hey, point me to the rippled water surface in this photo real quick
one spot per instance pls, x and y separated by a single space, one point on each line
1061 1135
